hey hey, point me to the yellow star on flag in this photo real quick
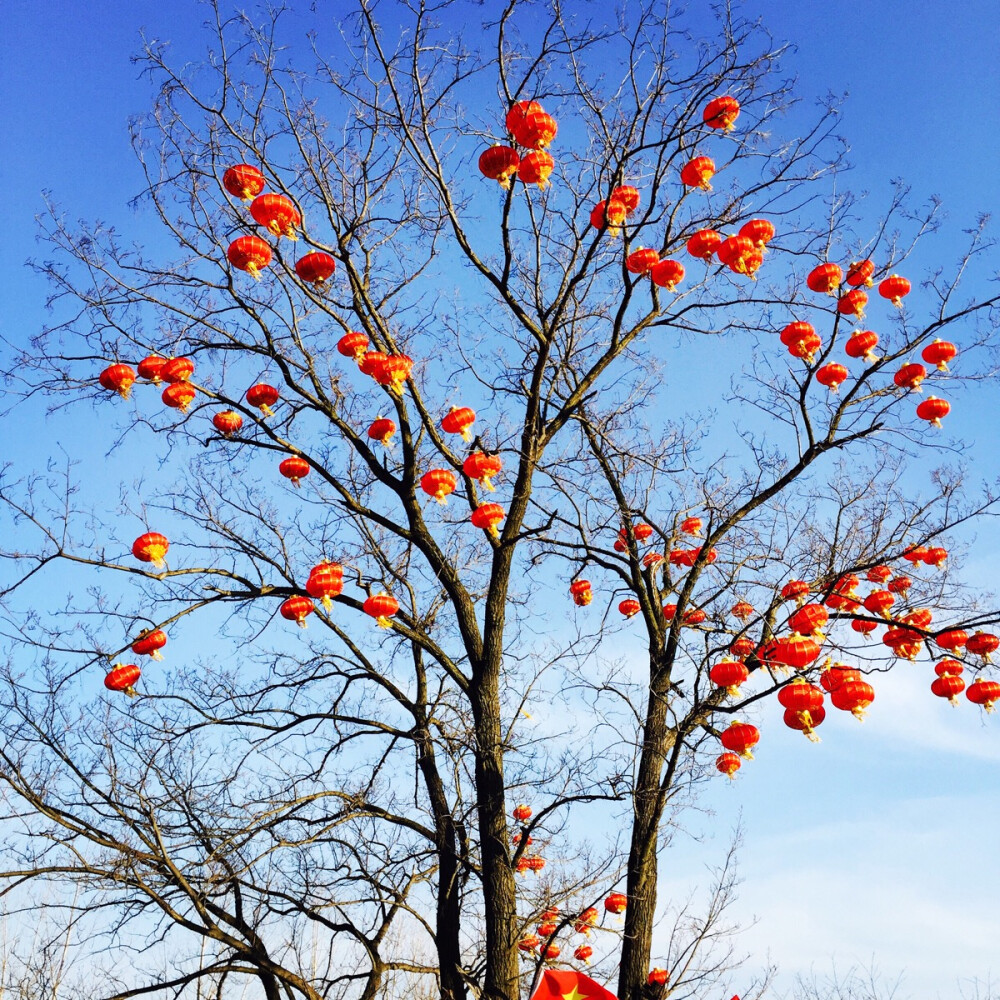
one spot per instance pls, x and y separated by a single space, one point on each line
575 994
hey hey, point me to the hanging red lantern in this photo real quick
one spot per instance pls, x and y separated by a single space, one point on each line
651 559
918 618
628 195
692 526
393 372
616 902
904 642
529 943
853 696
693 616
800 696
296 609
948 686
841 602
728 764
805 722
250 254
910 376
315 268
629 607
750 264
982 644
915 554
382 429
122 677
458 420
878 602
740 738
936 556
742 647
698 173
952 639
669 610
581 592
861 344
151 368
535 129
227 423
353 345
536 864
522 813
371 362
326 581
742 610
482 468
794 332
860 272
806 348
549 952
521 865
586 920
151 547
118 378
984 693
899 585
149 643
894 288
243 181
721 112
294 468
487 516
948 666
535 168
499 163
853 303
658 977
796 651
438 483
729 674
263 396
938 353
516 114
878 574
611 214
863 627
760 231
381 607
810 619
583 953
667 274
277 214
641 261
704 243
177 370
825 278
837 674
831 375
795 590
933 410
642 532
732 250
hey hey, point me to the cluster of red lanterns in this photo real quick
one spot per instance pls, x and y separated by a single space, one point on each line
532 129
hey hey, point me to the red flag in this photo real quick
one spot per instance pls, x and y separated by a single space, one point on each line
569 986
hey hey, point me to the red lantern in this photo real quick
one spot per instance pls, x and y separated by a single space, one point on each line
878 574
536 129
522 813
243 181
583 953
936 556
530 943
729 674
910 376
948 686
933 410
381 607
982 644
611 213
294 468
760 231
315 268
853 696
795 590
263 396
915 554
669 610
733 250
698 173
800 696
861 344
277 214
740 738
728 764
794 332
918 618
516 114
805 722
151 368
894 288
326 581
438 483
227 423
903 642
860 272
693 616
616 902
825 278
177 370
499 163
793 650
629 607
806 348
952 639
582 594
393 372
948 666
487 516
151 547
118 378
535 168
900 585
809 620
836 675
458 420
122 677
297 609
250 254
704 243
536 864
353 345
642 260
831 375
651 559
371 362
939 352
692 525
549 952
667 274
863 627
522 865
586 920
853 303
742 610
149 643
983 693
721 112
658 977
482 468
742 647
878 602
628 195
382 429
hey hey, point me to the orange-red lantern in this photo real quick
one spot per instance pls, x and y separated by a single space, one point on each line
581 592
487 516
904 642
529 943
296 609
938 353
353 345
393 372
438 483
825 278
651 559
315 268
482 468
878 574
536 864
698 173
936 556
853 696
805 722
381 607
832 375
948 686
294 468
740 738
583 953
250 254
610 213
948 666
742 647
918 618
177 370
760 231
732 250
522 813
704 243
861 344
806 348
860 272
657 977
371 362
549 952
381 429
629 607
499 163
728 764
899 585
669 610
794 650
151 368
810 619
227 423
149 643
118 378
952 639
795 590
277 214
934 410
458 420
984 693
742 610
628 195
263 396
693 616
982 644
915 554
616 902
803 700
834 676
535 129
796 331
667 274
910 376
894 288
151 547
864 627
853 303
729 674
642 260
586 920
692 525
535 168
517 113
721 112
878 602
326 581
243 181
122 677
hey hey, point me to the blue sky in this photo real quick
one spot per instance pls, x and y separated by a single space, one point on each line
881 840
